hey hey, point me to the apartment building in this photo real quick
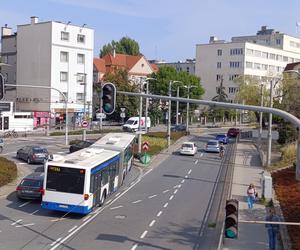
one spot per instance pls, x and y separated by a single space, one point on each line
265 54
181 66
59 57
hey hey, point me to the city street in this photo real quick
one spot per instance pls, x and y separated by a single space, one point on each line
165 208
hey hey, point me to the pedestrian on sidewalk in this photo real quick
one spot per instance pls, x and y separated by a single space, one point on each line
273 229
251 193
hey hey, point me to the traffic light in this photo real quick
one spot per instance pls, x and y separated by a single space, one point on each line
108 98
231 219
1 87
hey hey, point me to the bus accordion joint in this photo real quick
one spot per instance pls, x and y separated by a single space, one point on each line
86 197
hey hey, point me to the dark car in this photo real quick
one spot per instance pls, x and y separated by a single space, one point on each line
33 154
31 187
179 127
222 138
233 132
80 145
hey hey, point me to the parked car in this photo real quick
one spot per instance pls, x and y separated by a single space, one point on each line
233 132
33 154
222 138
31 187
213 146
188 148
132 124
179 127
80 145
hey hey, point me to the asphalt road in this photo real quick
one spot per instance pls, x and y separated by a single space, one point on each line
164 209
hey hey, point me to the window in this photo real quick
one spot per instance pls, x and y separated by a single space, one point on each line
233 90
235 64
278 41
264 66
219 77
249 65
63 76
219 52
292 44
236 51
64 36
278 57
80 78
264 54
272 56
80 38
285 58
188 69
80 58
219 65
257 53
64 56
232 77
257 65
79 97
249 52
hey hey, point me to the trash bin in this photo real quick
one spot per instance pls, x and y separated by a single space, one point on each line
266 183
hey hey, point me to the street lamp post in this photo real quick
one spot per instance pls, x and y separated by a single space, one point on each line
269 152
260 115
188 87
147 102
140 118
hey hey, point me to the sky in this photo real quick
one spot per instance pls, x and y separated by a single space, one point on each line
165 29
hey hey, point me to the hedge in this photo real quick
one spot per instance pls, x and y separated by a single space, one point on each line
8 171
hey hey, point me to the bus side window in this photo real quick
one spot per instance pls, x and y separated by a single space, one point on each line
105 176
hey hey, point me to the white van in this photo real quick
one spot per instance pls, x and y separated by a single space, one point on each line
132 124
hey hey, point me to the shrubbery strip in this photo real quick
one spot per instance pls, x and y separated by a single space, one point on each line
8 171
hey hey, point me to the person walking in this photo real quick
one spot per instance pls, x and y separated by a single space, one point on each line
251 193
273 229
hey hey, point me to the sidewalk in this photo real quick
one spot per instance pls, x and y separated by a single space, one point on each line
248 170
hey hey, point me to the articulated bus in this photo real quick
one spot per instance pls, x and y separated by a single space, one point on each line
82 180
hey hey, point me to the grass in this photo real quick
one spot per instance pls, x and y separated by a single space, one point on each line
8 171
288 156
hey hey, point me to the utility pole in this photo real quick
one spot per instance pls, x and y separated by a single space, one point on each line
269 152
140 118
146 108
100 107
84 107
177 105
169 115
188 106
260 115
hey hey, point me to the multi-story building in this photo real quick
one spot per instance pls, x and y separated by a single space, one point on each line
263 55
187 66
57 56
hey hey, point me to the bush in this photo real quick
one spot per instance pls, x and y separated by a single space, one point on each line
76 141
288 153
8 171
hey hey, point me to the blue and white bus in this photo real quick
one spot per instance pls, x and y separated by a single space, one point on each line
80 181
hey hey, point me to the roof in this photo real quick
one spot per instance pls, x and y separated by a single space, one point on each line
292 66
115 141
126 61
154 67
99 64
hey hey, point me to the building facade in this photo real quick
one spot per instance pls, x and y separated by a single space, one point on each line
56 56
263 55
187 66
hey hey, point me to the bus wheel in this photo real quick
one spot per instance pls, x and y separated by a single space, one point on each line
102 200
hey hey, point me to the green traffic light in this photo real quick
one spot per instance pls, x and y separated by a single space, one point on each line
231 233
107 107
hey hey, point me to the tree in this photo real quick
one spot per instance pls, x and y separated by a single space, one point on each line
125 45
120 79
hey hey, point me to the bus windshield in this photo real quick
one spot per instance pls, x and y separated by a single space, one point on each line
62 179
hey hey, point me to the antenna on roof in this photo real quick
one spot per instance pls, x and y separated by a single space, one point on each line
82 27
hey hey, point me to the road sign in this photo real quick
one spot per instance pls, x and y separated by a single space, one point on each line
100 115
145 146
123 110
122 115
84 124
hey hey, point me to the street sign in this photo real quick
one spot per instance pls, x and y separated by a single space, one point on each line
84 124
122 115
100 115
123 110
145 146
4 106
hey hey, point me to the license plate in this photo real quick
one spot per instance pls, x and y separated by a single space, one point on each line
27 191
63 206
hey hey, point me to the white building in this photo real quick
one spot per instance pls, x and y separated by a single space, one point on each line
187 66
262 55
56 55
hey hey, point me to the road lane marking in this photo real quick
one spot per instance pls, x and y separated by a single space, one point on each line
179 186
166 205
171 197
107 202
26 225
34 212
118 194
112 208
159 213
16 222
95 215
182 181
134 202
152 196
152 223
149 171
176 190
175 186
72 229
166 191
134 247
144 234
190 171
24 204
54 242
201 154
86 218
58 219
196 162
186 177
21 163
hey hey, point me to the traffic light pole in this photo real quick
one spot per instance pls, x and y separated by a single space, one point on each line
84 111
294 120
63 95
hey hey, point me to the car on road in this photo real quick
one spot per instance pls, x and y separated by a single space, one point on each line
188 148
31 186
233 132
179 127
222 138
79 145
213 146
33 154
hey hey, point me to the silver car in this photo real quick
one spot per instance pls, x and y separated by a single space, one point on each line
213 146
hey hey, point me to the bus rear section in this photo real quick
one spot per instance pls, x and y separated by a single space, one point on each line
81 180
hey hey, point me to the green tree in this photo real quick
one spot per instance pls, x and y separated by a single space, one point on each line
125 45
120 79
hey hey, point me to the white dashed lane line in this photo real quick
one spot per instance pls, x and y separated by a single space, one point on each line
86 218
54 242
186 177
196 162
34 212
134 247
159 213
182 181
201 154
26 225
152 223
135 202
166 191
176 190
72 229
16 222
190 171
171 197
166 205
152 196
144 234
112 208
24 204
